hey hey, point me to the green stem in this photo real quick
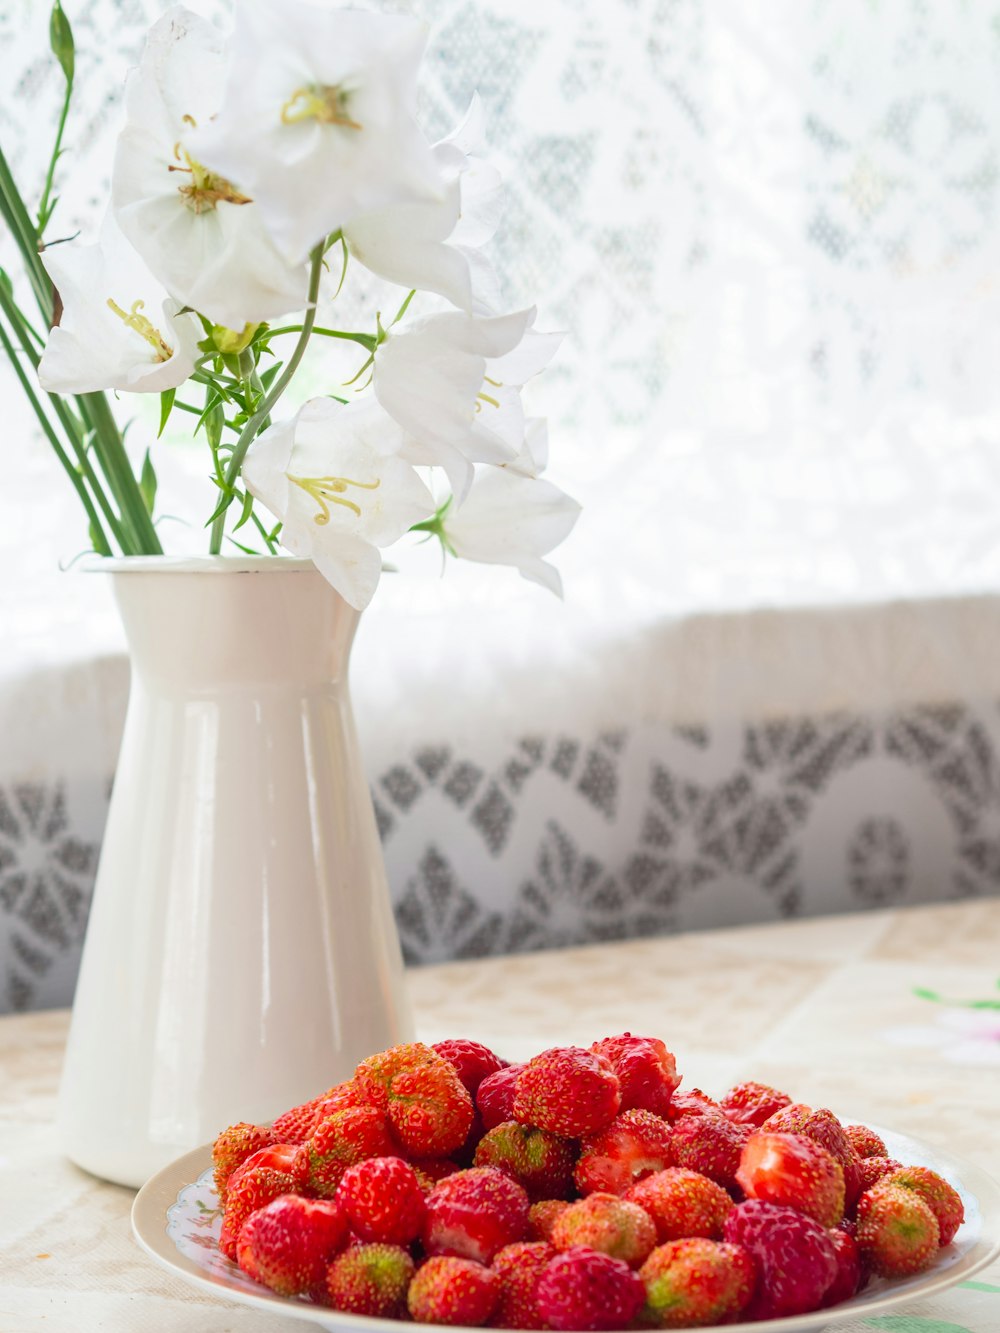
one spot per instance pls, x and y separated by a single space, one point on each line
44 212
110 449
277 389
23 230
265 535
367 340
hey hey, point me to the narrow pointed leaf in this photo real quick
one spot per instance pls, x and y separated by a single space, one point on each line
147 483
166 407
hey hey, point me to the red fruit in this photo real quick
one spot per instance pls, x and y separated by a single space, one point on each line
942 1199
582 1289
432 1169
495 1096
607 1223
711 1145
255 1189
568 1091
864 1141
646 1070
540 1161
474 1213
897 1231
383 1200
635 1144
471 1061
279 1157
371 1280
695 1282
542 1218
233 1146
682 1203
795 1257
873 1169
825 1129
692 1102
752 1103
793 1170
374 1076
338 1142
288 1244
296 1125
519 1267
423 1097
447 1290
848 1281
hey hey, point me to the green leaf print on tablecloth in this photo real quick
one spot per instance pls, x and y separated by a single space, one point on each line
914 1323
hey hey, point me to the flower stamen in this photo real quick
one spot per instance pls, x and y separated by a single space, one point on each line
144 328
324 103
206 190
329 490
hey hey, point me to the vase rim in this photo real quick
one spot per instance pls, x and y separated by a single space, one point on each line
196 564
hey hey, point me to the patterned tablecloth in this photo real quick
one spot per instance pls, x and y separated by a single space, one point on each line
823 1008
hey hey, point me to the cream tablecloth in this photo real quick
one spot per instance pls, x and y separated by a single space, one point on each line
823 1008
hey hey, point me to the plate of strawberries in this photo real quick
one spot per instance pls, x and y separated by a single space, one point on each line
582 1189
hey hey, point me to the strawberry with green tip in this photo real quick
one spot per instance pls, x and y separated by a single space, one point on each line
540 1161
371 1280
693 1282
287 1244
897 1232
449 1290
340 1140
941 1198
568 1091
635 1144
607 1223
682 1203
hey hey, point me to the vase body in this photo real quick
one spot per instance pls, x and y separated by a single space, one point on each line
241 954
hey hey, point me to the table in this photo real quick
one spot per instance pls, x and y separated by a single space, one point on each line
823 1008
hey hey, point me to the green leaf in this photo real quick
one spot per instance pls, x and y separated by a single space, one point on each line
267 376
147 483
166 407
246 511
61 41
227 499
922 993
979 1286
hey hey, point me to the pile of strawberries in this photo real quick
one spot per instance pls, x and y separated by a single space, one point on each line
578 1191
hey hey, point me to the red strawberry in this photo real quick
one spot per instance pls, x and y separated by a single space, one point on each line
296 1125
542 1218
848 1281
693 1102
635 1144
519 1267
383 1200
646 1070
682 1203
897 1231
540 1161
471 1061
288 1244
371 1280
279 1157
823 1127
338 1142
568 1091
793 1170
583 1289
447 1290
752 1103
474 1213
425 1101
696 1281
711 1145
864 1141
873 1169
795 1257
432 1169
233 1146
942 1199
495 1096
255 1189
374 1076
607 1223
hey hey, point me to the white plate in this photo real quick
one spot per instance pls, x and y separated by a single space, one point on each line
176 1219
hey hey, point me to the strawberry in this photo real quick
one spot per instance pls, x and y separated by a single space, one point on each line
711 1145
374 1076
426 1103
567 1090
682 1203
864 1141
848 1281
471 1061
635 1144
795 1257
371 1280
279 1157
823 1127
873 1169
607 1223
694 1102
646 1070
897 1231
233 1146
448 1290
540 1161
696 1281
495 1096
383 1201
519 1267
583 1289
942 1199
752 1103
793 1170
432 1169
255 1189
288 1243
338 1142
474 1213
542 1218
296 1125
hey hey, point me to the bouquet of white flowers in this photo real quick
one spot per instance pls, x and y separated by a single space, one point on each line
252 172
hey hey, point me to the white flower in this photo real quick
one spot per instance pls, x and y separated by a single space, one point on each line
118 328
533 457
432 244
510 519
200 233
316 122
453 382
331 476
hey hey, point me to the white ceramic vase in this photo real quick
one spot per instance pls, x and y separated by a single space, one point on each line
241 954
